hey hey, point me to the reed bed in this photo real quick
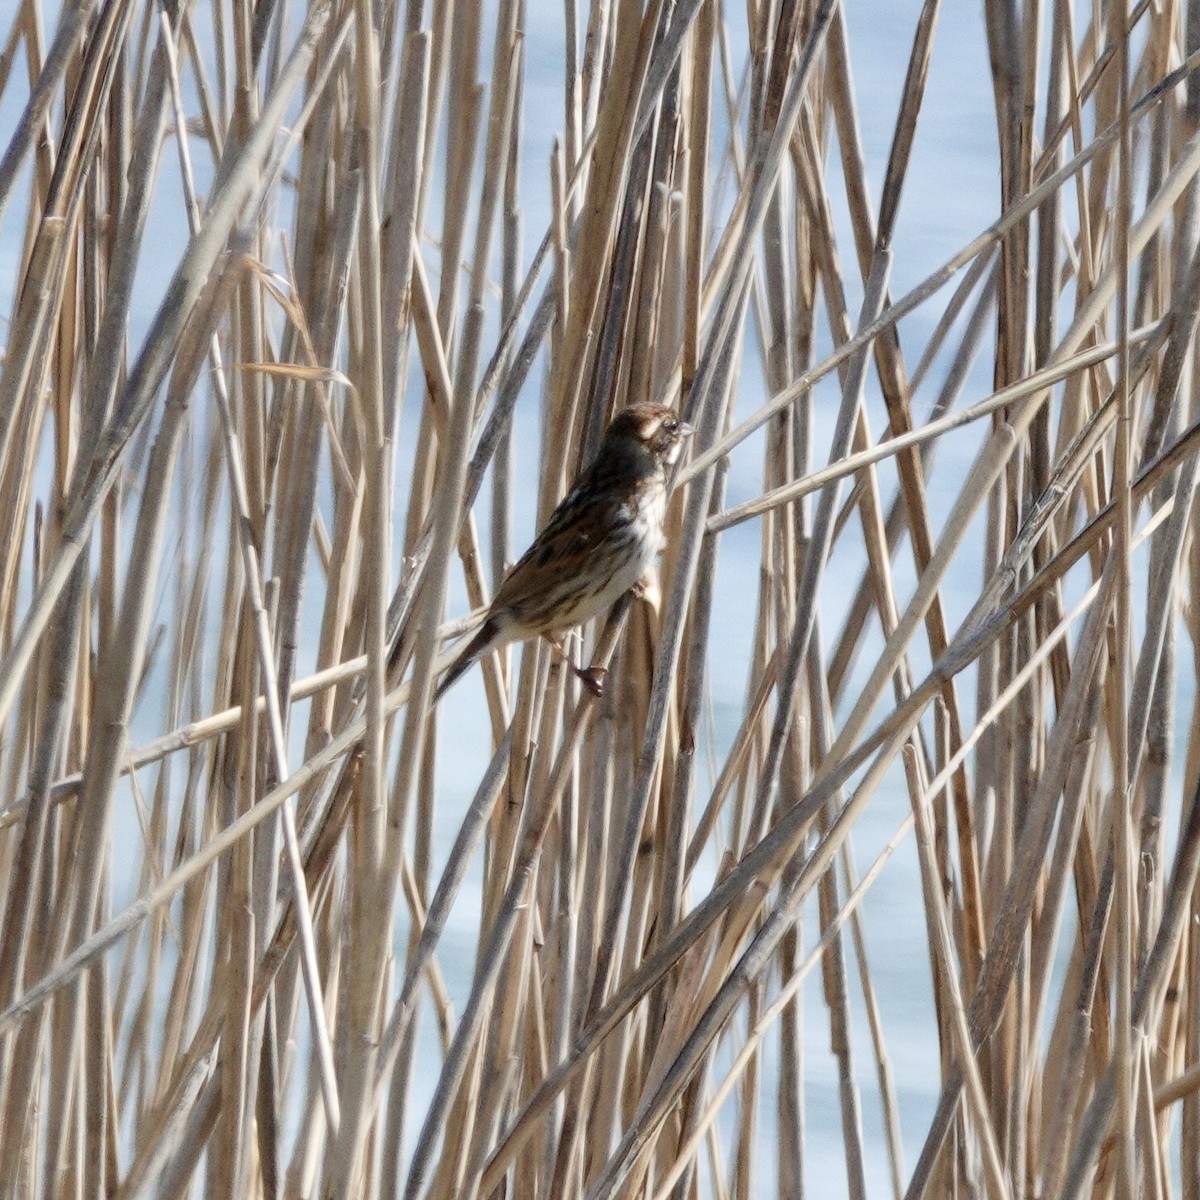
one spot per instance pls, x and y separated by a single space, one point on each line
301 346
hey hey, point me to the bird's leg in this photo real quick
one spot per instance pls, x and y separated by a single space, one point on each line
591 677
647 589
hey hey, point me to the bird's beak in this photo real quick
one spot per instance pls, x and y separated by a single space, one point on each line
685 430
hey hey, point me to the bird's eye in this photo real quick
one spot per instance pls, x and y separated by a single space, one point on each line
671 425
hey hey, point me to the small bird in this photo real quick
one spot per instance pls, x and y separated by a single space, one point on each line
600 541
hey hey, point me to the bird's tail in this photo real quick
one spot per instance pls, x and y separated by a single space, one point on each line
474 650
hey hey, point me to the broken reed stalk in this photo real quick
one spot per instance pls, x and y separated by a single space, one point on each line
211 612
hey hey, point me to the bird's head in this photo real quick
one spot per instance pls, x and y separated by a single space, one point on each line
657 430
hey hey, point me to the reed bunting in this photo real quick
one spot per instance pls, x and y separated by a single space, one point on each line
600 541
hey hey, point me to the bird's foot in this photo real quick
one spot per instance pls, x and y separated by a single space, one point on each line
592 678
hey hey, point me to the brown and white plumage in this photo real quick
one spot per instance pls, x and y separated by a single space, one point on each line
599 542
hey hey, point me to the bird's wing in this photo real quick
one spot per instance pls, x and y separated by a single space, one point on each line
576 527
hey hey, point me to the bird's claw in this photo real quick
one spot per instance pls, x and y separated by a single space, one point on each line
592 678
